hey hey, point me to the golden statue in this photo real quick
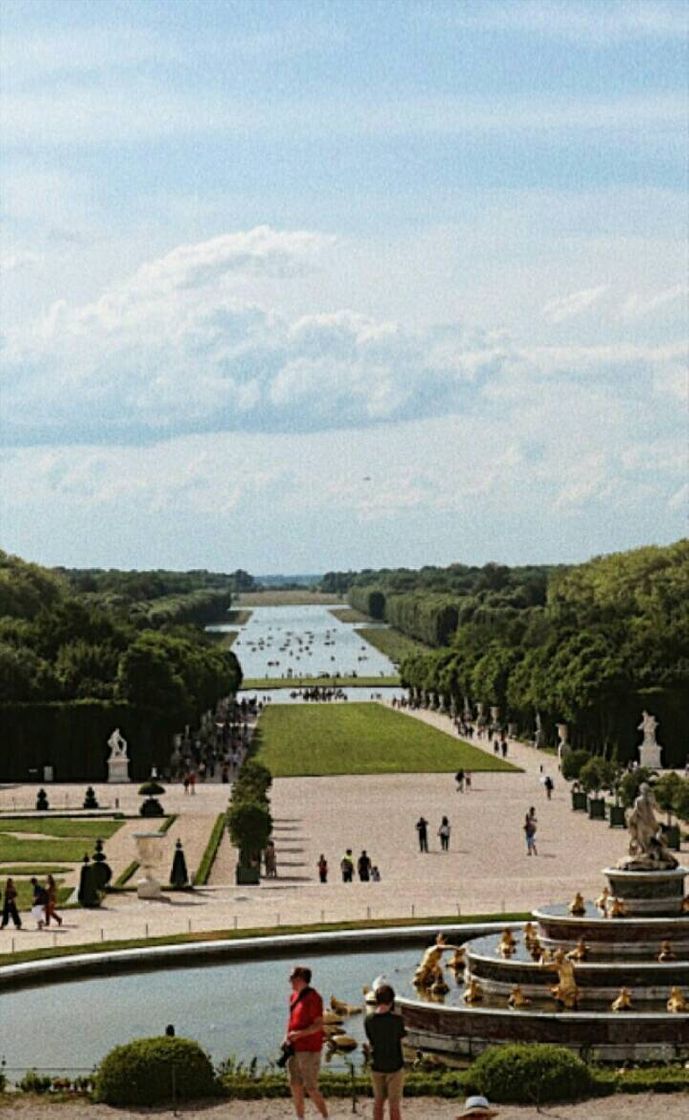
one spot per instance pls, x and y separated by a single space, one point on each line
342 1043
623 1001
517 999
602 900
457 964
430 971
343 1009
473 992
577 906
617 908
508 945
666 953
565 991
677 1002
579 952
530 933
545 956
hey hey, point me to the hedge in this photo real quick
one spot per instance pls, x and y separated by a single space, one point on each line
151 1071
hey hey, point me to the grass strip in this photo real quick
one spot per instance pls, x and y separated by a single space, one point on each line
124 876
311 740
348 614
266 683
99 828
390 642
208 858
36 869
258 932
168 823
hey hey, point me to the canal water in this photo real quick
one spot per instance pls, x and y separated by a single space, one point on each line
235 1009
294 641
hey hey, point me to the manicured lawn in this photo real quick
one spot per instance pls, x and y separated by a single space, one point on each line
62 826
297 598
326 682
390 642
311 740
348 614
37 869
44 851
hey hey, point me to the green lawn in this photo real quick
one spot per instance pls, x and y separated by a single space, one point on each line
348 614
36 869
360 739
297 597
393 644
89 827
327 682
43 851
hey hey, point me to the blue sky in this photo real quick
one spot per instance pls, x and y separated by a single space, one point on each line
295 286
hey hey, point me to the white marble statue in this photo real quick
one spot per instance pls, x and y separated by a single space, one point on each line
117 744
646 846
650 749
648 726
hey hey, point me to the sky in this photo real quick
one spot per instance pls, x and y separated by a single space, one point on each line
296 286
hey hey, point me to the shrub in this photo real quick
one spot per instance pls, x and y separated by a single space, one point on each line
141 1072
596 774
250 826
33 1082
572 763
529 1074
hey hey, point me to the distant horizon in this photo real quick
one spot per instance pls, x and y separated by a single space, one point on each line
339 284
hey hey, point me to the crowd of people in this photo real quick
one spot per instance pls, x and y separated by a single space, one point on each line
44 907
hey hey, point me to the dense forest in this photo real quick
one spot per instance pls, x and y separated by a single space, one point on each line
589 644
83 650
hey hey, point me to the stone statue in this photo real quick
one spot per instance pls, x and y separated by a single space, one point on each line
646 847
650 749
117 744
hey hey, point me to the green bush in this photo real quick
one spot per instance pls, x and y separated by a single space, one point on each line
33 1082
529 1074
141 1072
596 774
572 763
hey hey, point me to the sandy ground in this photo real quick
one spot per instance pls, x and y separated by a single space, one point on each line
641 1107
486 869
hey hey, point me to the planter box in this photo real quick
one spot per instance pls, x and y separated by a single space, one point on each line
671 836
617 816
247 876
579 801
596 808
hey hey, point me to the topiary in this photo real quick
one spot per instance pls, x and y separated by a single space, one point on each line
154 1070
522 1073
572 763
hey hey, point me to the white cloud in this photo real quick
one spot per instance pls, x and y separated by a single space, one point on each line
636 305
16 260
590 22
566 307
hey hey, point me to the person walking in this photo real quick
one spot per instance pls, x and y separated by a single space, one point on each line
9 905
467 781
422 829
459 778
40 900
304 1041
444 834
347 866
322 866
385 1030
51 901
375 874
364 867
549 786
530 832
270 860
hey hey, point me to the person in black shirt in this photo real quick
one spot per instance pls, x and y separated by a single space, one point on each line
364 867
384 1031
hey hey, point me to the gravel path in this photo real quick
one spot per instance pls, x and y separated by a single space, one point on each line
638 1107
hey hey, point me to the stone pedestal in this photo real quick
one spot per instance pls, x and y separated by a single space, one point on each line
149 848
649 756
118 770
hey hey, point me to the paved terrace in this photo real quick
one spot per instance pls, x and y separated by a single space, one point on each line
486 869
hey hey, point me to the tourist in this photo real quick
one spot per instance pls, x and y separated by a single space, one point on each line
40 900
51 901
549 786
270 860
185 782
459 778
503 746
467 781
9 905
304 1041
322 866
347 866
192 781
530 833
422 829
364 867
385 1031
476 1108
444 834
375 874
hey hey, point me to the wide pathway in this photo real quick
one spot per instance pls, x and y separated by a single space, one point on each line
486 869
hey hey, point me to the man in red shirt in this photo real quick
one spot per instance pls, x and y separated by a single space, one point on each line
305 1035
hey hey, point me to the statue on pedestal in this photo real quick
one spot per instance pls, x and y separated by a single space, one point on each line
647 850
118 762
649 751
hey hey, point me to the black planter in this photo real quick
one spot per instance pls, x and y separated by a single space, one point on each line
617 816
671 836
596 808
247 876
579 801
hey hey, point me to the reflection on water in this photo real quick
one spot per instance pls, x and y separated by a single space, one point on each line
304 641
237 1009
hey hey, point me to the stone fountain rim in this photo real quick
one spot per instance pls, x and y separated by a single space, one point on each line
557 1016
